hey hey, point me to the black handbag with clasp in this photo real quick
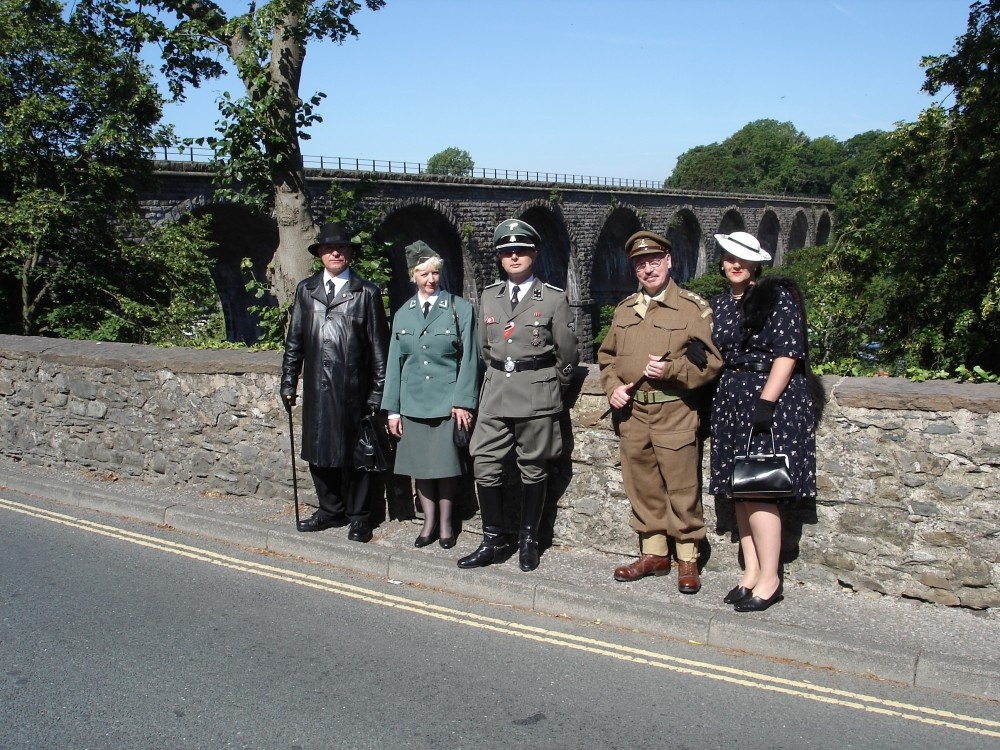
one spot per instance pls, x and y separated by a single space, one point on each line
762 476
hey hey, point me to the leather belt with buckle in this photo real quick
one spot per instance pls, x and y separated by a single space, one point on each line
520 365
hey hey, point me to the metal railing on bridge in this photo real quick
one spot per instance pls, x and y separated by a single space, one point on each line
352 164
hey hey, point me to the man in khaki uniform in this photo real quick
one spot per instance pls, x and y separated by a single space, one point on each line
528 342
657 353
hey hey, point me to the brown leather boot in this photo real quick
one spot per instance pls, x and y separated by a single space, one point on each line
688 581
646 565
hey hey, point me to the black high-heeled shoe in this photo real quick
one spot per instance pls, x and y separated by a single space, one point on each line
447 542
737 594
756 604
423 541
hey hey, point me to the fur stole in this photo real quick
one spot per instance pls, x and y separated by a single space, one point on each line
759 302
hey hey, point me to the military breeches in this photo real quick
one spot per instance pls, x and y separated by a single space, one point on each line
535 440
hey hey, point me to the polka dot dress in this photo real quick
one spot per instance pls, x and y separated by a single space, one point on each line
794 416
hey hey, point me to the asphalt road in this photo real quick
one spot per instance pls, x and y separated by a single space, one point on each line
116 634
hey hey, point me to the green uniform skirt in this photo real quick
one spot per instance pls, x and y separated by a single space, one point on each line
427 449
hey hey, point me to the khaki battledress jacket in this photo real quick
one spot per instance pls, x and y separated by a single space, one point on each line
659 450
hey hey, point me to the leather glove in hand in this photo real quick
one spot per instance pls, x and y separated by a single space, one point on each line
288 401
697 353
763 415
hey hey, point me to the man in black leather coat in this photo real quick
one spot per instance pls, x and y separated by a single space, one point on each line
337 341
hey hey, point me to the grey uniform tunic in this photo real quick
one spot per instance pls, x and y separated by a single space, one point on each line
530 353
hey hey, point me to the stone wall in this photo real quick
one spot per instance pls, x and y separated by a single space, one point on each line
907 503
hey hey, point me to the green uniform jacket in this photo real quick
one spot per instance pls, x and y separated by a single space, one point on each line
541 328
432 364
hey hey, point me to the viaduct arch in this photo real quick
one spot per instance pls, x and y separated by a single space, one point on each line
583 230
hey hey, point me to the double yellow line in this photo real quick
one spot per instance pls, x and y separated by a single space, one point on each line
800 689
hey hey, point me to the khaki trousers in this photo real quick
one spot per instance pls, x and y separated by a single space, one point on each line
660 467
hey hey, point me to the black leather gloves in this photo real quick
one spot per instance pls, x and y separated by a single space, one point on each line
762 417
697 353
288 400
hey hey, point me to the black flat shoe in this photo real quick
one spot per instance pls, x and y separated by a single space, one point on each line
423 541
737 594
447 542
756 604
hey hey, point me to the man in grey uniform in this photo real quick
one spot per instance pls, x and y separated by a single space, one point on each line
528 341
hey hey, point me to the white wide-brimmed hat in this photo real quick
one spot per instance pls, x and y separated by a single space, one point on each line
744 246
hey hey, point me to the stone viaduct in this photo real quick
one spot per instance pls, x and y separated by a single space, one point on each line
583 229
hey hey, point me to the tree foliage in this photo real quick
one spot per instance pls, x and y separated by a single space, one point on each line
78 103
916 265
257 149
347 206
767 156
451 161
79 118
764 156
155 287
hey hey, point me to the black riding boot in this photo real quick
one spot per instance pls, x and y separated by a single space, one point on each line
495 541
532 506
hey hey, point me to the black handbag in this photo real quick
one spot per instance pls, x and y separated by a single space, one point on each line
763 476
462 435
374 449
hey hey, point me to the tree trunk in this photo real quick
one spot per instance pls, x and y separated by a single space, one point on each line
292 206
296 231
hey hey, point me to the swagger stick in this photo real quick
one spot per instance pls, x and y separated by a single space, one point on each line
295 481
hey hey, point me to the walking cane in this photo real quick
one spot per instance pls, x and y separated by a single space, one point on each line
295 481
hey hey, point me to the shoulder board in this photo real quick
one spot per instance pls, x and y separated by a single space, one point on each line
628 300
554 287
706 309
495 283
693 297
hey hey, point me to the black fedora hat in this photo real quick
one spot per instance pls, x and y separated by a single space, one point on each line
333 233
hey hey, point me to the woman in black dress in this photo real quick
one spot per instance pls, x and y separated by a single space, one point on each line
760 329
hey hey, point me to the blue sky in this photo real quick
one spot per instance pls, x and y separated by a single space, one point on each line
615 88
